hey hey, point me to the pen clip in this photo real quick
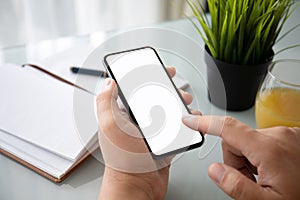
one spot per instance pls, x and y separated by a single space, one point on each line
57 77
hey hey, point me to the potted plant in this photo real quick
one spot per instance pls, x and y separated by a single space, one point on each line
239 42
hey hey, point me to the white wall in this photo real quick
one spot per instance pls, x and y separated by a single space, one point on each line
25 21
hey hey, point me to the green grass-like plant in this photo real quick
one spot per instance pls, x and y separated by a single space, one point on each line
242 31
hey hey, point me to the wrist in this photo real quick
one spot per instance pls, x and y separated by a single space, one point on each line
118 184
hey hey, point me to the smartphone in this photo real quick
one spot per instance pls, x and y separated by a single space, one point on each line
152 101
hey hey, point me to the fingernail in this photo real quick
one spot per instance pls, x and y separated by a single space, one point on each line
185 92
190 120
107 81
216 172
107 84
186 116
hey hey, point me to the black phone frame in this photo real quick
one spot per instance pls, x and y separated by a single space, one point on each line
121 95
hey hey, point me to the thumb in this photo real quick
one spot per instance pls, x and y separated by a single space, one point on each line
106 100
235 184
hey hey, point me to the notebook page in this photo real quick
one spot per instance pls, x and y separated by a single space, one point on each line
42 159
39 109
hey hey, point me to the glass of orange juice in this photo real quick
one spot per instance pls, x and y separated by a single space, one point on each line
278 99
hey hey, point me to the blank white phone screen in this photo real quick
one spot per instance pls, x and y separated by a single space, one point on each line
153 100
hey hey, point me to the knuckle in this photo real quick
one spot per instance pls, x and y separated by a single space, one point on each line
103 96
233 185
100 98
107 125
296 130
283 129
230 121
287 130
237 190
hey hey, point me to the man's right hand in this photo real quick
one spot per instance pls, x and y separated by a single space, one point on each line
273 154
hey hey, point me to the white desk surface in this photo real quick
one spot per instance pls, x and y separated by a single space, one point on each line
188 179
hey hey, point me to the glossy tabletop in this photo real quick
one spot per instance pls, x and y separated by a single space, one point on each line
188 178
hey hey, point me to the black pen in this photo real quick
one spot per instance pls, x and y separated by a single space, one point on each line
92 72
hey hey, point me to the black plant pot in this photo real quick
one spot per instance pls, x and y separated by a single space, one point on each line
232 86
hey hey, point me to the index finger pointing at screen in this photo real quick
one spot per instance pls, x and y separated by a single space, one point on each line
233 132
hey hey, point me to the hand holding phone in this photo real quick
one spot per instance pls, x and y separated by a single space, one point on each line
152 101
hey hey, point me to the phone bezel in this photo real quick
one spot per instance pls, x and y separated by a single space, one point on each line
120 93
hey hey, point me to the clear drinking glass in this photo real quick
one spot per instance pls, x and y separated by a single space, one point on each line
278 98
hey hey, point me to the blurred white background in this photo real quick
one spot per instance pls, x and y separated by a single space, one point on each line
27 21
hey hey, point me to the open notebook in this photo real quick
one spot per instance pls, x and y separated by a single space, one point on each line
37 124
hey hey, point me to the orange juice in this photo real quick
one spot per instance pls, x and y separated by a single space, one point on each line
278 107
